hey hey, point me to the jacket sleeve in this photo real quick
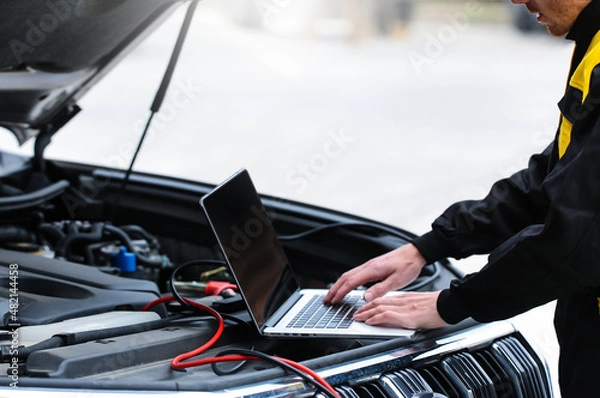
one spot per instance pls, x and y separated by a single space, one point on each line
477 227
537 253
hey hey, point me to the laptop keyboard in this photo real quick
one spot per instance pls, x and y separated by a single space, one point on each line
315 314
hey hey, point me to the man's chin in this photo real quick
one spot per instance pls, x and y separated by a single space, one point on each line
557 31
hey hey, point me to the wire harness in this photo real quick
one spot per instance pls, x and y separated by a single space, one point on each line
181 362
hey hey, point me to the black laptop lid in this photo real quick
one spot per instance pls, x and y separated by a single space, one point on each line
250 245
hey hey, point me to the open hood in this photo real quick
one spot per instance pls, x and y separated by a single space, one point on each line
55 50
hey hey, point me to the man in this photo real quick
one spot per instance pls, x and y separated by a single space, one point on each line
541 228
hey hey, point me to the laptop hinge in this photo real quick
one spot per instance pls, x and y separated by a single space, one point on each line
280 313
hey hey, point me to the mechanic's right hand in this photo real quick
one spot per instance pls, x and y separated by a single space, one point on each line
394 270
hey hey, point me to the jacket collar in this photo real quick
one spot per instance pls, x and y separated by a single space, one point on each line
583 31
587 24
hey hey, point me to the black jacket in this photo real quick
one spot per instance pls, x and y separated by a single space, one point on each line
541 226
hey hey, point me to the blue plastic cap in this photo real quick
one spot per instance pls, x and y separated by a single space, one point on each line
123 260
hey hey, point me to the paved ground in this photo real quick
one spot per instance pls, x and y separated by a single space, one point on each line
392 128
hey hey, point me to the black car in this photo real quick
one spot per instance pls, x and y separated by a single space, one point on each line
88 255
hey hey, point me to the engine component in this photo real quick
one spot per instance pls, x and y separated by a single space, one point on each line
95 243
30 335
51 291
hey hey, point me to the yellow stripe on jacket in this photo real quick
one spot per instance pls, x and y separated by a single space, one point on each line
579 81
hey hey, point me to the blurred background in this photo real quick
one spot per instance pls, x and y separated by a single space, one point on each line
390 109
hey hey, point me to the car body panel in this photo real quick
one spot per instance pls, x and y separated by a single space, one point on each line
45 69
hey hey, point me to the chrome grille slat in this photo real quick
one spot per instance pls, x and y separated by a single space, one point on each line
469 376
414 380
518 374
498 375
482 382
504 368
530 366
439 382
372 390
524 371
346 392
404 383
487 386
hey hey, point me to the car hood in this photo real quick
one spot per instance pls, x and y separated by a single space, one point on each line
55 50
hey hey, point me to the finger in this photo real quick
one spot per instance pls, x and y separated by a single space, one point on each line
382 315
410 311
408 320
337 293
379 290
389 314
358 313
372 308
350 281
393 304
390 320
362 314
334 289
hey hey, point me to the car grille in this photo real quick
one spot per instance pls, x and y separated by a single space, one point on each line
505 368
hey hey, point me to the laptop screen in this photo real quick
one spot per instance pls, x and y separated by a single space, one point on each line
250 245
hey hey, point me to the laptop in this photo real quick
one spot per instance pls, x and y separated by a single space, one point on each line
265 279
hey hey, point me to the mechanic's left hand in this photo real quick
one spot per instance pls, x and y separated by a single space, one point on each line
410 310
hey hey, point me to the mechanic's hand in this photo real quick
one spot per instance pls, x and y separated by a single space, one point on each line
411 310
394 269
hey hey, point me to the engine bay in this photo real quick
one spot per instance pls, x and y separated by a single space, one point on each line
112 288
86 270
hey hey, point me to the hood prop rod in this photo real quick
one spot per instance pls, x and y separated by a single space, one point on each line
158 98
